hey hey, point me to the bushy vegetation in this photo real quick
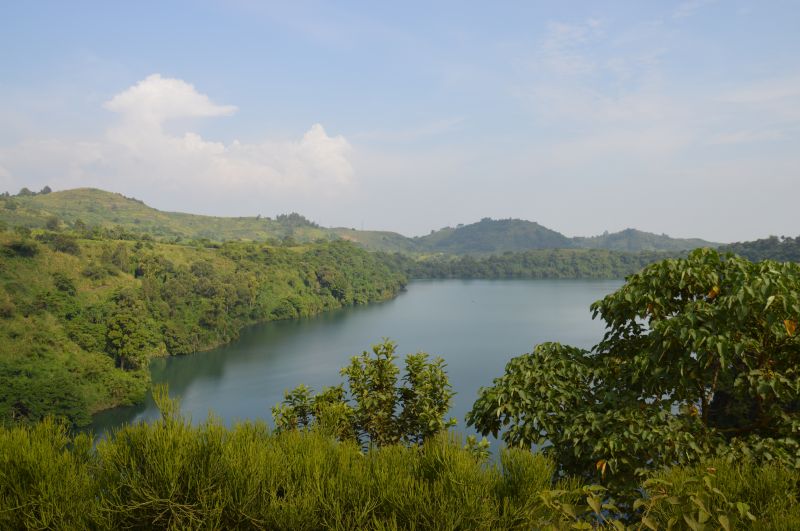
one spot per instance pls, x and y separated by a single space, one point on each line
80 318
172 474
380 409
700 360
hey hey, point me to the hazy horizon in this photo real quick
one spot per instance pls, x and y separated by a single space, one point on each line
679 117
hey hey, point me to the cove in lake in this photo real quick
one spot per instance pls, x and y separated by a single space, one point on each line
475 325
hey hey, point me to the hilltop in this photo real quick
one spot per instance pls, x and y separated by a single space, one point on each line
90 207
491 236
636 240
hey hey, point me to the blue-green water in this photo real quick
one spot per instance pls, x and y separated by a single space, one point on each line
475 325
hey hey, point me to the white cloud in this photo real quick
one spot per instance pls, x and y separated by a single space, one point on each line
158 99
138 154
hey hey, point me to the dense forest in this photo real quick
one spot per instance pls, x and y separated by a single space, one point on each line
83 310
541 263
783 249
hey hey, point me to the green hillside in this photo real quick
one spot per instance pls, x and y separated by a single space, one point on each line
79 318
783 249
636 240
490 236
89 208
107 210
493 236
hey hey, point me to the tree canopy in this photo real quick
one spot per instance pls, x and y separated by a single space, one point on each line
700 358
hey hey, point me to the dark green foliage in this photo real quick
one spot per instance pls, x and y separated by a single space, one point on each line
781 249
65 243
632 240
52 223
31 392
700 359
380 410
20 247
544 263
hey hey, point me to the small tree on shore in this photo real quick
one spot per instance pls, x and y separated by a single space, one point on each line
379 409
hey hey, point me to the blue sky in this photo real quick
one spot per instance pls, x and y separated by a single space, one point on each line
673 117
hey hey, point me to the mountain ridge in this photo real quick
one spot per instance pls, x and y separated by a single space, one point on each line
95 207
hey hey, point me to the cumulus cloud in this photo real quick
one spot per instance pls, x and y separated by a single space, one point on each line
158 99
137 152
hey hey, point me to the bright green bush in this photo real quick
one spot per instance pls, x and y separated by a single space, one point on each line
46 479
175 475
380 408
722 494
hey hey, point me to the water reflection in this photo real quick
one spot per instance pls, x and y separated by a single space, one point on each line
476 325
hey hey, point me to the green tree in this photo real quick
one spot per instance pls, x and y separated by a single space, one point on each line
381 410
127 337
700 358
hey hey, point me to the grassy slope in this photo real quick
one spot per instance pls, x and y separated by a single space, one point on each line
107 210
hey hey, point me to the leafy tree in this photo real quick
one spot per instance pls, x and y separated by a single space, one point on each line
700 358
381 410
128 338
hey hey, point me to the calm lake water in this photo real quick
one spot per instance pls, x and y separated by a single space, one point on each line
475 325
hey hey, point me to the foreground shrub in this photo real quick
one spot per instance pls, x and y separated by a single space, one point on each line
175 475
700 359
45 478
720 494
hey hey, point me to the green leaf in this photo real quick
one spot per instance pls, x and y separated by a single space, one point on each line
594 503
649 523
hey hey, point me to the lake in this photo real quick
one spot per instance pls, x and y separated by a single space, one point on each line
475 325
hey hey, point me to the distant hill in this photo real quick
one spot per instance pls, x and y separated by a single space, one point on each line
782 249
636 240
94 207
497 236
107 210
493 236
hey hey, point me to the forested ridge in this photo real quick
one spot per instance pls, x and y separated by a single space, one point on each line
81 313
539 263
782 249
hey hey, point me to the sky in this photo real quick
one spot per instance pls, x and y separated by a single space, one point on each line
671 117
